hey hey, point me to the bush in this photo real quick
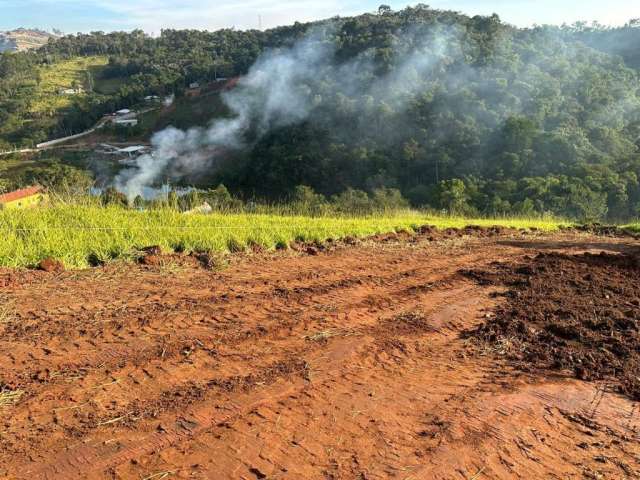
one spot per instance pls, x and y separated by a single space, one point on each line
220 199
389 199
354 202
110 196
306 201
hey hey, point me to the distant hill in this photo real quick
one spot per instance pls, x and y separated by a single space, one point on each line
23 39
461 113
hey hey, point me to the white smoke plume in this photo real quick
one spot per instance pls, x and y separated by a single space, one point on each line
168 100
282 88
273 94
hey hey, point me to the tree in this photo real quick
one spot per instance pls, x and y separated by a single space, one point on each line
452 196
306 200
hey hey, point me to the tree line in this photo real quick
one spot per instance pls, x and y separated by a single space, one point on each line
507 120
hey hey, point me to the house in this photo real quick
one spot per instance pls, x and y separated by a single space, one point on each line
194 85
134 150
71 91
124 111
26 197
126 122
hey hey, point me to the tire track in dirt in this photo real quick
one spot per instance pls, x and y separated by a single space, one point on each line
200 419
344 365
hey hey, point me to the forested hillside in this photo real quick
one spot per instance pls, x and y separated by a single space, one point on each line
462 113
622 41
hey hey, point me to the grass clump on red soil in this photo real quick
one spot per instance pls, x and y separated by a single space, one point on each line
9 397
579 313
81 235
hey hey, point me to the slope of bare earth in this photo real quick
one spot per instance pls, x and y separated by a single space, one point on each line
23 39
349 363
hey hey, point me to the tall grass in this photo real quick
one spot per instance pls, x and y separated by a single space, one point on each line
634 227
84 234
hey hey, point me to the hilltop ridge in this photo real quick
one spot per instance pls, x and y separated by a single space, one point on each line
22 39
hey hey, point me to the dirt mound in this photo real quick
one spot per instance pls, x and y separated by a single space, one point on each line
51 265
602 230
570 312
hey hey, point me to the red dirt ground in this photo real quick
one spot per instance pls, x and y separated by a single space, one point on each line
353 362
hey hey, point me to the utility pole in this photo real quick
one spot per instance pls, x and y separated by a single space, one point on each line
259 22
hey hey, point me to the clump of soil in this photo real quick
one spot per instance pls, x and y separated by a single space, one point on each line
579 313
51 265
602 230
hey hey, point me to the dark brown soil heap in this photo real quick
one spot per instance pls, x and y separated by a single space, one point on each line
579 313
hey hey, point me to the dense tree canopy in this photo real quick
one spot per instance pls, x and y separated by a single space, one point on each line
462 113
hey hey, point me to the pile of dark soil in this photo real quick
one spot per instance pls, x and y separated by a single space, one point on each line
602 230
579 313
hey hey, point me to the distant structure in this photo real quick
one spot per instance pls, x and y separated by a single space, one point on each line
194 90
24 198
124 118
71 91
126 122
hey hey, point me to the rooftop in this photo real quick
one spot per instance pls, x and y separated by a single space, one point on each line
18 194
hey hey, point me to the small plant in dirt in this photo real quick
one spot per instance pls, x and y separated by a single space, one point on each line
235 246
9 397
212 260
7 310
320 336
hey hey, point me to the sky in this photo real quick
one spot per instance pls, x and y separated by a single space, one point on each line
73 16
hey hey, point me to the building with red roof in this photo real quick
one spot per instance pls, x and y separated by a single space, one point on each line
25 197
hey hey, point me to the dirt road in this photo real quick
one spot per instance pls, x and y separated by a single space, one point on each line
346 364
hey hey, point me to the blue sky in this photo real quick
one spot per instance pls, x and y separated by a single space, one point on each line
152 15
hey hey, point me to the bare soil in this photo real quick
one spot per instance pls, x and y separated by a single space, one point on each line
351 360
570 312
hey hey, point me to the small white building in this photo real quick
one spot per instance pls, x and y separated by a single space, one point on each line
194 85
124 111
134 150
70 91
126 122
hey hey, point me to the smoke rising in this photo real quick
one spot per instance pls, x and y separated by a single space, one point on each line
464 98
273 94
282 88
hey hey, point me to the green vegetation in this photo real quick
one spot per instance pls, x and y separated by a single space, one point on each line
81 235
634 227
499 121
68 74
60 172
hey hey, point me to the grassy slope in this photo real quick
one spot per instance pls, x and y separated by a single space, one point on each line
62 75
74 233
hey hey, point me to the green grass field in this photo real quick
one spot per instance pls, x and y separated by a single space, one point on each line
63 75
81 235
